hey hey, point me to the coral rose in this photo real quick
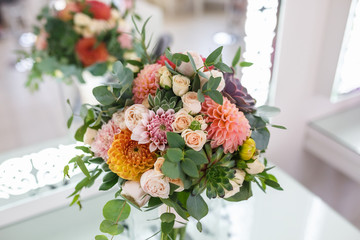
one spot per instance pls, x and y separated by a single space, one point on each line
155 184
98 9
89 55
194 139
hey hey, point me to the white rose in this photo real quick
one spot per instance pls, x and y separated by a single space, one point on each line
178 219
132 191
236 183
81 19
89 136
186 67
165 77
194 139
134 114
180 85
215 74
155 184
255 167
119 119
202 121
182 121
191 102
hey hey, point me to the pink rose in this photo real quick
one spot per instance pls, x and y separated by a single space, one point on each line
182 121
134 114
194 139
155 184
191 103
186 67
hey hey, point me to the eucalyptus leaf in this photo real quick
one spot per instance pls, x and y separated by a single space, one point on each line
175 140
170 169
189 167
103 95
108 185
236 58
246 64
197 207
197 157
174 154
223 67
216 96
261 138
82 166
101 237
267 111
116 210
200 96
111 227
214 56
98 69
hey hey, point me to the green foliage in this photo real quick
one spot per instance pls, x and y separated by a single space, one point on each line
214 57
246 64
197 207
101 237
236 58
244 194
114 212
175 140
98 69
195 125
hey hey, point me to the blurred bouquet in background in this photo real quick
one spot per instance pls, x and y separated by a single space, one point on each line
180 129
84 35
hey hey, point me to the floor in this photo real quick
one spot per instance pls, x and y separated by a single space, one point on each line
28 119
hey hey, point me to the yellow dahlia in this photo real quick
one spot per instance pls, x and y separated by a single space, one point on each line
128 158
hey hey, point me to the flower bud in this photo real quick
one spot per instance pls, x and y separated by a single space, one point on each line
89 136
165 78
247 149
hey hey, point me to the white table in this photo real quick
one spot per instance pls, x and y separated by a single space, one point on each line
294 214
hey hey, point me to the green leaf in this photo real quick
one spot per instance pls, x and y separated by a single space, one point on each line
167 217
108 185
175 140
174 154
197 157
200 96
111 227
199 226
197 207
189 167
167 227
278 126
213 83
79 134
236 58
170 169
273 184
261 138
223 67
116 210
75 199
69 121
98 69
103 95
82 166
216 96
246 64
66 171
196 83
267 111
110 177
83 148
97 122
101 237
244 194
214 56
192 63
175 206
170 68
97 160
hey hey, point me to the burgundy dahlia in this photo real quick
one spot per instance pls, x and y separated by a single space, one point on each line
237 93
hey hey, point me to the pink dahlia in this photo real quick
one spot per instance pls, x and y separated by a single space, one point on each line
153 128
228 126
146 83
104 138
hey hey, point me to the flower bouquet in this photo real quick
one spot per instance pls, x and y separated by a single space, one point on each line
85 34
181 129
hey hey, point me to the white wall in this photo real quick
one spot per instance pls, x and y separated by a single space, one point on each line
310 38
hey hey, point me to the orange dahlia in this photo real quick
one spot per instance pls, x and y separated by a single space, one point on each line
228 126
128 158
146 82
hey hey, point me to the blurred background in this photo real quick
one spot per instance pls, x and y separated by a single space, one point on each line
306 57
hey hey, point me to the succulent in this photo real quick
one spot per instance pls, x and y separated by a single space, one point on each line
216 175
237 94
164 99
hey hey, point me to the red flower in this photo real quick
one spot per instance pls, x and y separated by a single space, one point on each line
209 68
89 55
162 60
98 9
68 12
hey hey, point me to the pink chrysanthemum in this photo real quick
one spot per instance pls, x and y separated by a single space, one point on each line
146 83
228 126
104 138
153 128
